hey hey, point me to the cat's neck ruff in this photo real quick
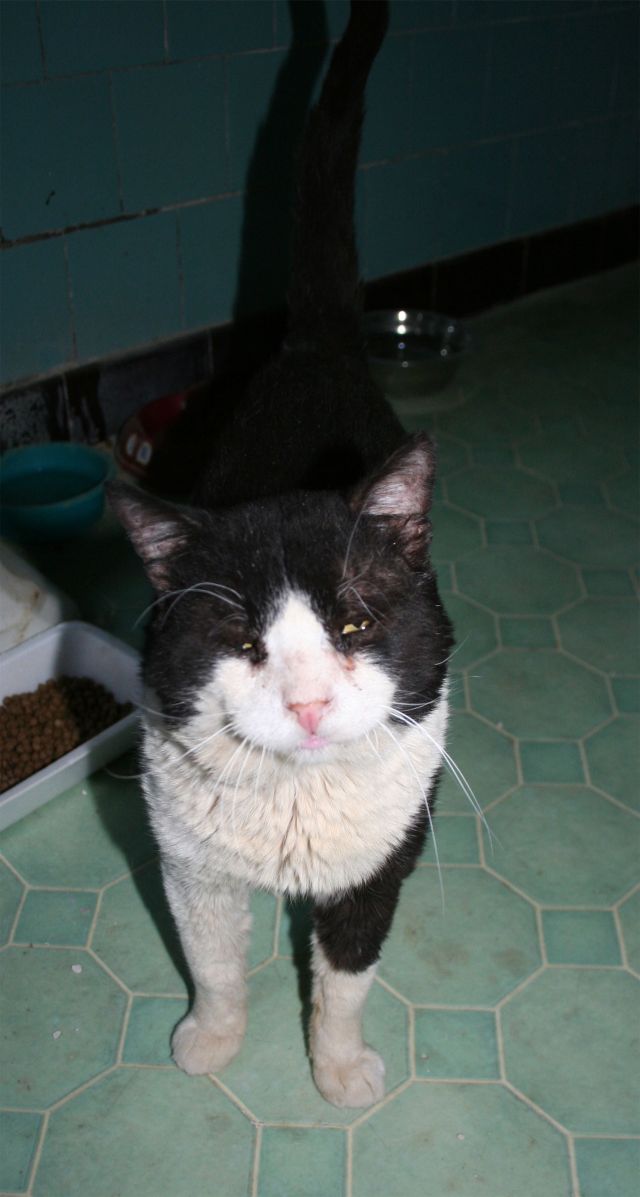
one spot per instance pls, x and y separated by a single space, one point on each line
310 828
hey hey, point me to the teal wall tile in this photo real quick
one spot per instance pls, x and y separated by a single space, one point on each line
449 81
520 94
58 160
125 284
625 95
493 10
623 165
99 35
402 210
209 254
20 57
587 53
386 129
258 83
194 28
35 319
171 137
328 21
420 14
542 182
476 180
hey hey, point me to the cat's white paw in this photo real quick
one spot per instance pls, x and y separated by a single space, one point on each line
196 1050
357 1082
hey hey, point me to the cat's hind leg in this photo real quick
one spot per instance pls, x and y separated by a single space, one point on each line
214 924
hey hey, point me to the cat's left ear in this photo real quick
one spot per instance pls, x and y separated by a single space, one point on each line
158 531
400 496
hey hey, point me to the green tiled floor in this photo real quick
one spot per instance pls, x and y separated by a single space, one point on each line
508 1002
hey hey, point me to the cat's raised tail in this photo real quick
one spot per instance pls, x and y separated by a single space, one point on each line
324 291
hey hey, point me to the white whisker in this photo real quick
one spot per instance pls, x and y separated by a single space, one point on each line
453 767
404 752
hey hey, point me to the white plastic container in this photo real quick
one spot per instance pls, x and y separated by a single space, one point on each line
77 650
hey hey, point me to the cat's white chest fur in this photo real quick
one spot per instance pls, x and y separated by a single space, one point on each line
255 803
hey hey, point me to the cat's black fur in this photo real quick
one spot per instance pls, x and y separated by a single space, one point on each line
297 469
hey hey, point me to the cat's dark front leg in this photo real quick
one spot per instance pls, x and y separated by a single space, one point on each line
348 935
214 923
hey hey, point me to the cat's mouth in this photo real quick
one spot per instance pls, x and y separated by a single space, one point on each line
313 742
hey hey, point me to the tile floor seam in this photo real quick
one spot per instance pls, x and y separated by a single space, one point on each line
94 921
363 1118
539 1110
520 987
541 939
348 1163
99 961
573 1166
614 801
214 1079
16 920
124 1029
255 1168
12 869
37 1154
79 1089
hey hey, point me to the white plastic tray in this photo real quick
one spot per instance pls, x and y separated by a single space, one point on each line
77 650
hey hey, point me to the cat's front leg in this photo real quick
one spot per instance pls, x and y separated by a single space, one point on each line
345 1069
348 936
214 924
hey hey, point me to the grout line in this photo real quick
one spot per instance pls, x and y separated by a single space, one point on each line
256 1160
348 1164
37 1155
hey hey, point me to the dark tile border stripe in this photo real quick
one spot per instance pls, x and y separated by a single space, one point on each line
93 401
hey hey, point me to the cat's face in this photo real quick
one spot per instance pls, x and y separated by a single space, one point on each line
297 622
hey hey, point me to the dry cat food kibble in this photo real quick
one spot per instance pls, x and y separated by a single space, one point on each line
38 727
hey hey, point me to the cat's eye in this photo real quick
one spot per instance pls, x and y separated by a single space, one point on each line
247 646
350 628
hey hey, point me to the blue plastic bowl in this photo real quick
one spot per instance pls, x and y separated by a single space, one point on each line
51 491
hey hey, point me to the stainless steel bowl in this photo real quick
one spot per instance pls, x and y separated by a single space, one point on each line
414 353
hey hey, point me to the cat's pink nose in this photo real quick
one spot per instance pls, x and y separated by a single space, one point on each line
309 714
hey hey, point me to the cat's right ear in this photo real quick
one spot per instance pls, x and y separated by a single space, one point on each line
157 530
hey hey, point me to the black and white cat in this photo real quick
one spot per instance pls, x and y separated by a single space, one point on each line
297 652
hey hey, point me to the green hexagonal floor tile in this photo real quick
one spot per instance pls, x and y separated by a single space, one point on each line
613 754
136 937
457 841
10 894
475 631
608 1167
570 456
124 1135
539 695
623 492
454 533
275 1047
518 580
630 921
86 837
603 632
485 757
56 916
151 1023
487 419
565 845
456 1044
472 953
590 536
308 1163
580 937
61 1023
500 493
19 1135
458 1138
570 1045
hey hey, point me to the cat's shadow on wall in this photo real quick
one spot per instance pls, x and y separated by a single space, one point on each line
258 322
